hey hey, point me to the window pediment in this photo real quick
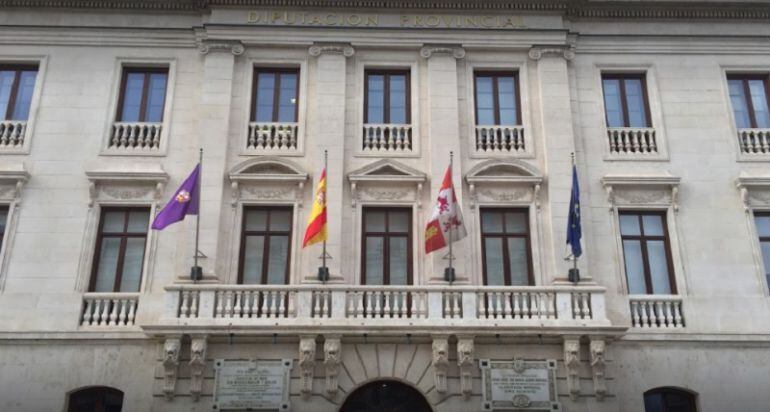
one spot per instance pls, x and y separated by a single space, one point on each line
652 190
386 181
504 182
267 178
126 184
12 180
386 170
755 191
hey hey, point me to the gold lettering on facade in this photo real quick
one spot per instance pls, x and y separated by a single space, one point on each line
446 21
373 20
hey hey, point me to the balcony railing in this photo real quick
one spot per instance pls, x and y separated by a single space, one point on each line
754 141
340 307
639 141
12 133
656 311
272 137
500 139
133 137
109 309
387 138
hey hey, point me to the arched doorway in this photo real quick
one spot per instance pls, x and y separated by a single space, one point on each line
669 400
95 399
386 396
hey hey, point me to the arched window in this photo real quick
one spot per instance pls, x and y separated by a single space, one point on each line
96 399
669 400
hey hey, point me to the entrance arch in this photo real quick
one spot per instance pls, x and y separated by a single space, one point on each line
386 396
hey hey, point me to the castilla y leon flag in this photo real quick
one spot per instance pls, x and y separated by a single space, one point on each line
316 224
185 201
446 219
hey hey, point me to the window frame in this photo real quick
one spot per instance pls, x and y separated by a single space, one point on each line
7 208
622 77
276 91
386 243
122 251
496 75
146 70
97 393
267 234
504 235
387 73
643 239
691 397
761 239
744 78
17 69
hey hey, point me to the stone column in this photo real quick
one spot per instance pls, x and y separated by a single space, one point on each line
328 132
558 144
216 98
443 134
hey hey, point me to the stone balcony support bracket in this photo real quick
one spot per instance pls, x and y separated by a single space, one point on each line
598 366
332 362
171 350
572 365
307 350
465 355
440 362
198 346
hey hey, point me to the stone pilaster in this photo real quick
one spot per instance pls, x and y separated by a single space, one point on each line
328 131
443 134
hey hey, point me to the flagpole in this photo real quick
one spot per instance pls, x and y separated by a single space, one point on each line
450 275
325 271
575 274
197 272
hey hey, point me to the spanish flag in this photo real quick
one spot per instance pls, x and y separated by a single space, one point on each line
316 224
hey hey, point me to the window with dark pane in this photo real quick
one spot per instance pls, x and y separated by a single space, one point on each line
749 100
17 84
387 246
275 96
497 98
387 97
95 399
762 220
142 94
265 246
120 245
3 224
625 100
669 400
647 253
505 245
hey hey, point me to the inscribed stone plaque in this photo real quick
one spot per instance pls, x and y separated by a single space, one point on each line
519 385
251 384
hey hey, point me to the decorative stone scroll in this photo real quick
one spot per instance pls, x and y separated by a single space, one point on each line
332 362
520 385
642 191
386 180
198 347
267 178
571 364
307 346
598 366
233 46
342 49
465 353
755 191
440 362
170 365
504 181
126 185
455 51
565 51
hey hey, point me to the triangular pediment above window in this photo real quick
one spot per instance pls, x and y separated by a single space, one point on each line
504 171
386 170
267 168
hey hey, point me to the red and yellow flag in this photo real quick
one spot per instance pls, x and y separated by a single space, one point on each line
316 224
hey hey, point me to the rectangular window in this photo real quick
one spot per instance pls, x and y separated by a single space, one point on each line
265 246
505 247
17 83
762 220
387 97
625 100
386 246
120 245
497 98
142 94
748 97
647 253
275 96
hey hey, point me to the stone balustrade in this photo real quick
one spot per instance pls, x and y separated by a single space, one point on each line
273 137
109 309
656 311
632 141
754 141
387 138
135 137
501 139
12 133
331 308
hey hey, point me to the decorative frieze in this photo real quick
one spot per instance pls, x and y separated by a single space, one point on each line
170 365
386 180
332 363
565 51
465 354
126 185
12 180
429 51
307 347
642 191
440 362
504 181
572 365
755 191
267 178
233 46
341 49
598 365
198 348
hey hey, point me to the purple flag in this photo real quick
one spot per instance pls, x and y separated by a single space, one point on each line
184 202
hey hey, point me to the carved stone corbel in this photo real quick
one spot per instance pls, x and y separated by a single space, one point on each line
428 51
332 48
675 198
536 196
565 51
233 46
170 365
159 187
745 198
465 353
235 193
91 193
332 361
300 193
610 198
353 194
571 364
440 362
474 197
598 366
307 348
197 365
418 195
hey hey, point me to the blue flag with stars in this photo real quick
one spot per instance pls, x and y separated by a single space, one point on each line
574 230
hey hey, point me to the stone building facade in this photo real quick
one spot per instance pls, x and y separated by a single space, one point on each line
106 104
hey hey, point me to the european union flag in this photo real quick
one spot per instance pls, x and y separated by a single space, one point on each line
574 230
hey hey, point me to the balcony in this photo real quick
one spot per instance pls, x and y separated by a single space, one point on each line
632 142
387 138
754 142
501 140
105 310
272 137
260 309
135 137
12 133
656 311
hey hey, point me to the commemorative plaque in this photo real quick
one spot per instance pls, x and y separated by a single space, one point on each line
520 385
251 384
